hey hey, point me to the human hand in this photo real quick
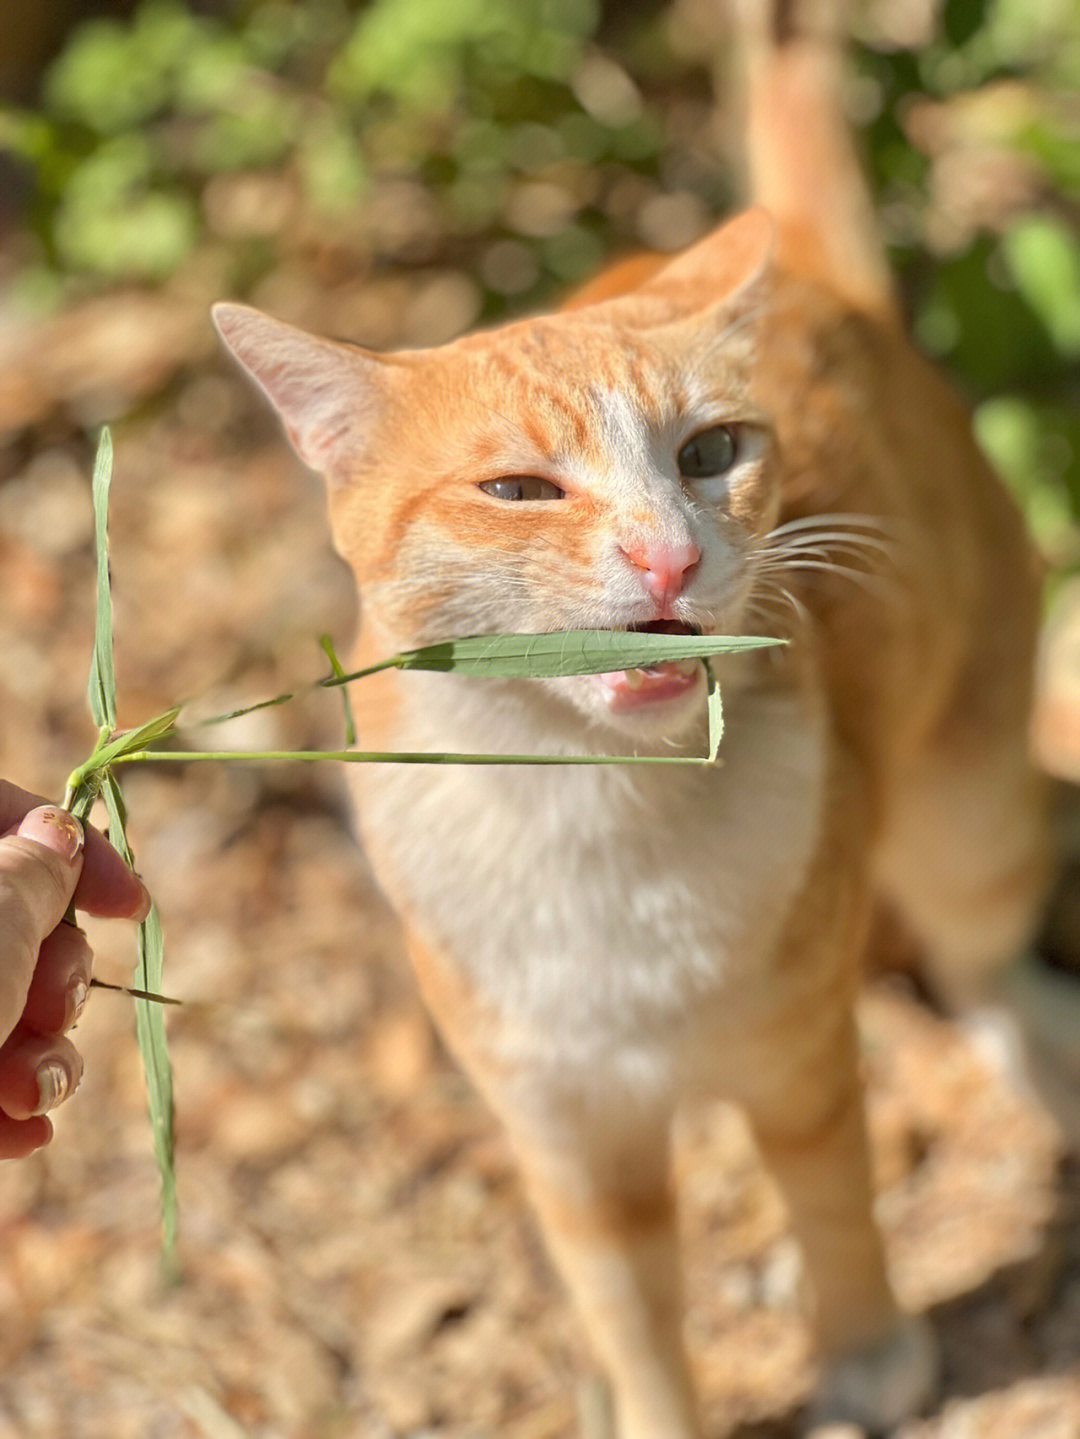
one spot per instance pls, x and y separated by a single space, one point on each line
45 861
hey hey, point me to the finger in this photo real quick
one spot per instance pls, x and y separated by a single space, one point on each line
107 886
37 1073
38 870
19 1137
58 989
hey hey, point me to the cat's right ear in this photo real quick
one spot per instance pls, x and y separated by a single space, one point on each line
329 396
730 264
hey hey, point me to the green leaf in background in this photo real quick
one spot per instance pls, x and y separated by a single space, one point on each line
994 347
1044 259
141 234
102 688
1035 447
102 81
426 52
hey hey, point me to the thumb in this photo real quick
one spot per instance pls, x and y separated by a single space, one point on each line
39 867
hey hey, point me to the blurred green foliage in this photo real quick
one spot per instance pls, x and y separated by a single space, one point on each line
532 138
428 54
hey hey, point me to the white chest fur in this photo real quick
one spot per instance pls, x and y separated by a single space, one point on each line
601 912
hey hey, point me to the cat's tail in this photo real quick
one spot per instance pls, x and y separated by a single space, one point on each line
800 150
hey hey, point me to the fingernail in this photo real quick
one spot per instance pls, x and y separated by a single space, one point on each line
53 1083
55 828
145 904
77 992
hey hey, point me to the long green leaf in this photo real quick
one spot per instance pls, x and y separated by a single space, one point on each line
102 687
150 1030
566 652
84 785
570 652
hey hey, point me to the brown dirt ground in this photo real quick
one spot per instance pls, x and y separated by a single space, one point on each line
356 1259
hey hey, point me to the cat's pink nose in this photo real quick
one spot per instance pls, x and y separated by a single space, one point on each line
665 569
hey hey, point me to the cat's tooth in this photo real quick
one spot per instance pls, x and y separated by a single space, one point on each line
634 679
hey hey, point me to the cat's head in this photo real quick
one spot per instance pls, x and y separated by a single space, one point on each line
601 468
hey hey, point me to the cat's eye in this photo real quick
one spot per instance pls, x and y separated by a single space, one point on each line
522 487
711 452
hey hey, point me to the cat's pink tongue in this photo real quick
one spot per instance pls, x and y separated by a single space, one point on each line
629 689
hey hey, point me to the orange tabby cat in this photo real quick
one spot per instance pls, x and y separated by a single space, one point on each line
738 440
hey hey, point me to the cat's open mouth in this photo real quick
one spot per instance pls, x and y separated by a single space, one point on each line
668 680
665 627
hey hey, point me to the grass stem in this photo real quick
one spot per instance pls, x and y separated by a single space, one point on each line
351 756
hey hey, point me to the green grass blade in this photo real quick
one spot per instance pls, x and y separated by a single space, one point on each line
716 713
102 687
339 673
150 1031
247 709
569 652
353 756
566 652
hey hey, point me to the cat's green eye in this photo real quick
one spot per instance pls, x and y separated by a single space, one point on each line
712 452
522 487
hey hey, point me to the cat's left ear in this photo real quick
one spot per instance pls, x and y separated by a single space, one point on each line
329 396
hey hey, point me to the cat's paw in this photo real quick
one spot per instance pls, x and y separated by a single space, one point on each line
880 1386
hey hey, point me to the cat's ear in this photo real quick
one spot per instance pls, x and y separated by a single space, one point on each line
731 265
329 396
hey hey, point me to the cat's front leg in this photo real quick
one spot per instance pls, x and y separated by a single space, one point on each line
881 1366
598 1170
605 1203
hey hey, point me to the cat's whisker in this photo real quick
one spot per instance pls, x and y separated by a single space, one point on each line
852 562
769 609
835 538
853 546
878 585
869 542
841 553
780 557
801 612
848 520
